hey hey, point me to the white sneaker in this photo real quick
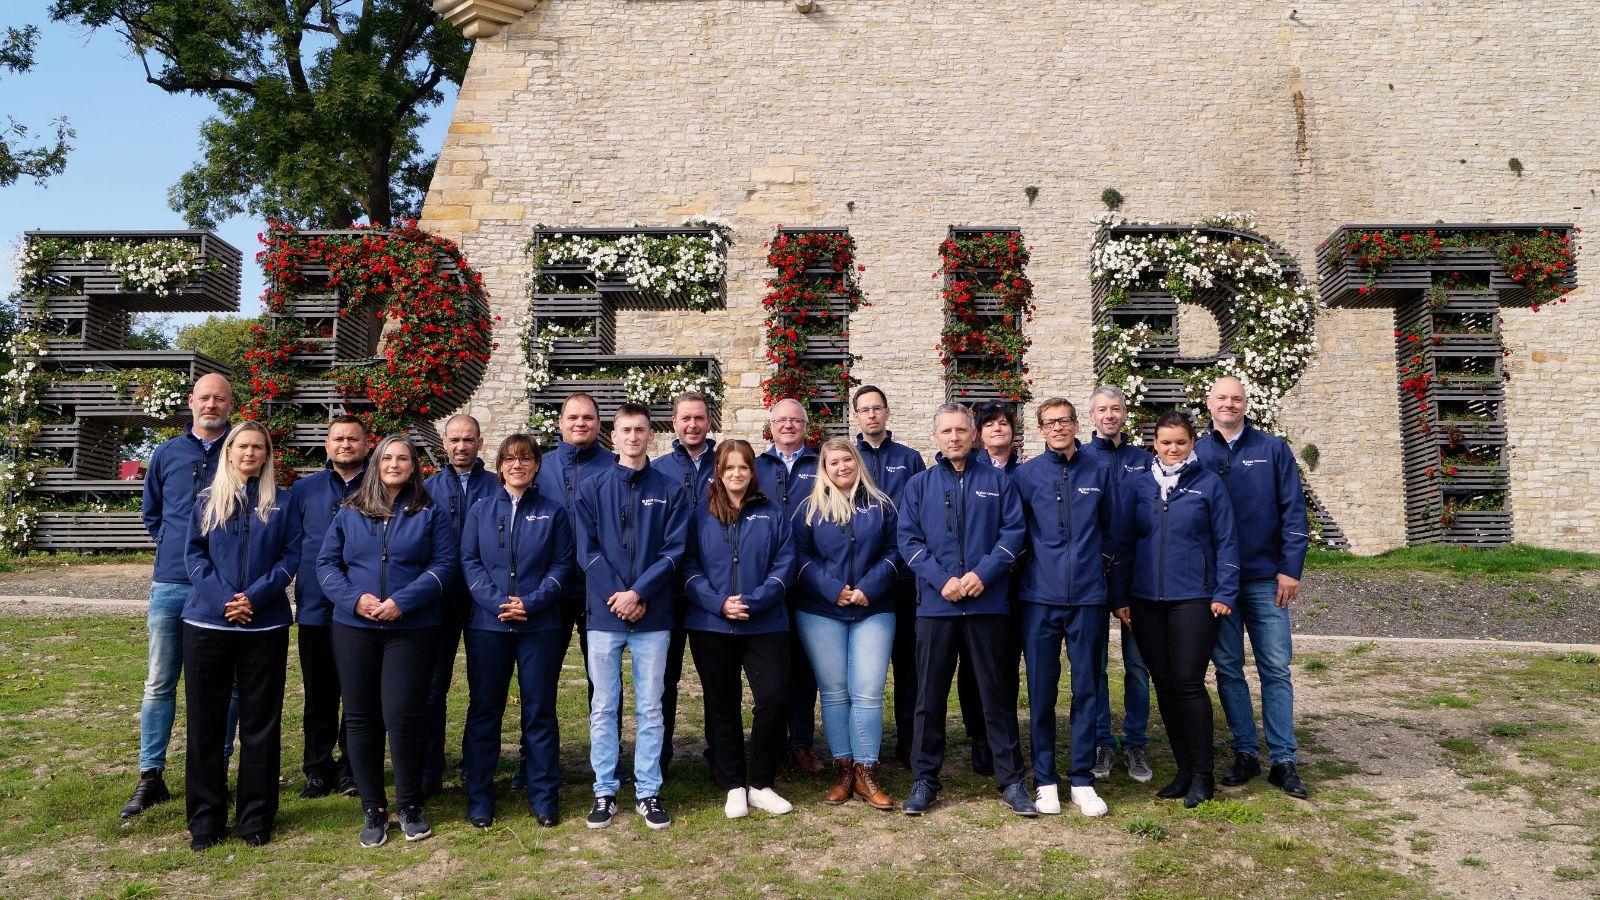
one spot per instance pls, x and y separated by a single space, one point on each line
736 807
1048 800
767 800
1089 802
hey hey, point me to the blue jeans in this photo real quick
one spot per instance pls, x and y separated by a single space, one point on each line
851 660
649 649
1270 639
1135 695
164 622
1045 628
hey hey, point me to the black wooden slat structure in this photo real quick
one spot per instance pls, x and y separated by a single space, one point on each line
829 403
1447 331
962 384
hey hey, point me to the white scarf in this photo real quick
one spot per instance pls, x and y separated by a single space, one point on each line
1166 477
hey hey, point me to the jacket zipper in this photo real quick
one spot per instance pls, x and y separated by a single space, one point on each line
1161 571
383 568
735 570
511 581
244 538
961 535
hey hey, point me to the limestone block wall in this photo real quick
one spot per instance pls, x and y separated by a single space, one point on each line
899 118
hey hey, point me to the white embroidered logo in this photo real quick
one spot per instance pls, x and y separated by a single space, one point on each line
534 517
1088 490
1184 490
753 518
652 501
1250 462
985 494
895 468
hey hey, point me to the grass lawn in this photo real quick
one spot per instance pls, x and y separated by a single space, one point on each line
1513 560
1465 774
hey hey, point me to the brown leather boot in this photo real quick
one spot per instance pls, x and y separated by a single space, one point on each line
842 779
805 762
865 785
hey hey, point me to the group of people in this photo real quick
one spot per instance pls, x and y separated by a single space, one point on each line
804 574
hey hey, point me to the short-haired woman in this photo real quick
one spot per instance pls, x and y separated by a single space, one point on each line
516 552
997 434
244 545
844 537
739 566
1185 574
386 559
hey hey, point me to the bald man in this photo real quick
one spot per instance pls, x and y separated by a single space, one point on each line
179 470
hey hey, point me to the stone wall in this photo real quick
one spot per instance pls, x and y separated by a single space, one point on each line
898 118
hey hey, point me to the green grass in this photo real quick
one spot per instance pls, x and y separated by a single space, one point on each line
35 561
1516 559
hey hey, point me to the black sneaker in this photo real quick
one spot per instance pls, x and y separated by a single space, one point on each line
1245 767
258 838
375 831
605 809
348 787
203 842
654 815
315 787
1104 757
147 793
1284 775
416 828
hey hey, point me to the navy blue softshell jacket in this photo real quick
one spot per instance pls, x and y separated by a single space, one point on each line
524 552
753 557
1185 546
179 470
784 486
633 532
243 556
680 468
862 553
1124 462
1269 503
444 487
317 499
1072 534
891 465
952 523
409 557
562 472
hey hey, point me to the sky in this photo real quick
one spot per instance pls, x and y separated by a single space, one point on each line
133 142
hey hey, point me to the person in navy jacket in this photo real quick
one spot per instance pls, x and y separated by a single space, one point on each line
317 500
1110 447
1067 500
516 553
739 569
844 537
384 565
632 529
891 465
961 529
179 470
785 474
1263 481
243 548
455 488
689 465
1185 576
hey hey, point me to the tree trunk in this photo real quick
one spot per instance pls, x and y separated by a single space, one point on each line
379 193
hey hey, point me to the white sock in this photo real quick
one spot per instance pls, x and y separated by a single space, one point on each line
1088 801
736 807
767 800
1048 799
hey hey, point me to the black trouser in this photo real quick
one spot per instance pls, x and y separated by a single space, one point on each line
324 727
456 610
212 660
669 692
903 656
1176 640
967 686
384 673
801 702
765 661
984 642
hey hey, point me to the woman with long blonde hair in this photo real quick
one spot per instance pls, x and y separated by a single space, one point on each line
844 536
243 549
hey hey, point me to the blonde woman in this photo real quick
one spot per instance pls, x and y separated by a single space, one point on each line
844 535
243 547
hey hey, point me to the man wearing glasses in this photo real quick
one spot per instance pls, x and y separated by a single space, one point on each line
1067 504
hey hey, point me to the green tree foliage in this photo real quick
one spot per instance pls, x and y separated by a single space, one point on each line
224 339
40 162
318 101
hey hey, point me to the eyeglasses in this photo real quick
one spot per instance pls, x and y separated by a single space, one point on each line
788 421
519 460
872 410
1062 422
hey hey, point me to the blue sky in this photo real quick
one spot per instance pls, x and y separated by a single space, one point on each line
134 140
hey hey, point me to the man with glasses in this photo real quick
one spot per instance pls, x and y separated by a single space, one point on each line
786 473
891 466
1067 503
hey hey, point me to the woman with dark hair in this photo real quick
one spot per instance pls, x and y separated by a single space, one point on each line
516 553
244 546
739 566
997 434
1185 574
844 537
386 559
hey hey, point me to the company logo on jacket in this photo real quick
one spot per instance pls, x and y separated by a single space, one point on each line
1251 462
652 501
534 517
1088 490
761 518
986 493
1184 490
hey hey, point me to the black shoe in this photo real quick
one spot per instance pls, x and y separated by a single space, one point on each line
432 786
547 819
1021 802
982 762
481 822
1178 787
202 842
1284 775
654 815
147 793
375 828
605 809
416 828
922 796
348 787
1201 788
258 838
315 787
1245 767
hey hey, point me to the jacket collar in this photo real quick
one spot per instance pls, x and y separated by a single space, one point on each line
677 449
632 476
982 455
1062 458
216 445
1100 443
804 451
574 453
1244 434
974 460
888 440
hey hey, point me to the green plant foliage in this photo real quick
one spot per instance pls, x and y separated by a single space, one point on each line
17 46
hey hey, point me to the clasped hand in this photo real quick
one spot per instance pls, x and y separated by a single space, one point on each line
513 611
734 609
957 589
849 596
370 607
238 610
626 605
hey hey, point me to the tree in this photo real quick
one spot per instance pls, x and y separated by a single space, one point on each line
224 339
41 162
318 101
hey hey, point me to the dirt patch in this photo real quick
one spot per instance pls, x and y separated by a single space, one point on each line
1425 605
